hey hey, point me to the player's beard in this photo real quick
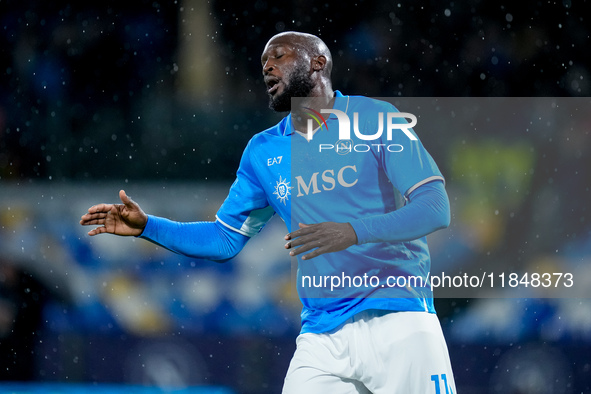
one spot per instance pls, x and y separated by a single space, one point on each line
299 84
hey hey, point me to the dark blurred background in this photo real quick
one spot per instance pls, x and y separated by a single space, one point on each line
160 98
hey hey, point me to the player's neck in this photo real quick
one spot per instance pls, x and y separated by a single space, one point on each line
318 100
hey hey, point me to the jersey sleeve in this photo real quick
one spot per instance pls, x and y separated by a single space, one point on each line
246 210
427 211
410 167
206 240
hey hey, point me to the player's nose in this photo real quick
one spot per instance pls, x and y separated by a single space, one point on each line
267 67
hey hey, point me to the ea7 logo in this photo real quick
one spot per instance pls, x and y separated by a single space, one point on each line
328 180
345 125
274 160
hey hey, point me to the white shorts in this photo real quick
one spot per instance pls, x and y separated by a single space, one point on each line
374 352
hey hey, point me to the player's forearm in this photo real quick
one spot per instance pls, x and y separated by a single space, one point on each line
205 240
427 211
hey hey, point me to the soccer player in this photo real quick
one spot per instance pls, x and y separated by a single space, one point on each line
368 322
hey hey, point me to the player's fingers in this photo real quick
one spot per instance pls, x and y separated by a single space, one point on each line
93 216
124 197
98 230
302 231
126 200
100 208
304 248
304 239
313 254
92 222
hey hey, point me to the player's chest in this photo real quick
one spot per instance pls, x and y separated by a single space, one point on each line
299 169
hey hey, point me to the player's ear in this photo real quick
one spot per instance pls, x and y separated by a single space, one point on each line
318 63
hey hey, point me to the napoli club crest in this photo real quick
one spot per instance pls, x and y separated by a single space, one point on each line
282 190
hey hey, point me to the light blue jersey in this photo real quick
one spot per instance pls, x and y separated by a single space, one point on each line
353 181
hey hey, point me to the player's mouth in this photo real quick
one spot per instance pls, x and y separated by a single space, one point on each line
272 84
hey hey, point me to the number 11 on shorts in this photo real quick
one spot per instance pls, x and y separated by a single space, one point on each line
435 379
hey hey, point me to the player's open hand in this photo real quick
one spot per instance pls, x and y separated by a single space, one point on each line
326 237
119 219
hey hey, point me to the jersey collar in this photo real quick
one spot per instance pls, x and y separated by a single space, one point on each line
341 103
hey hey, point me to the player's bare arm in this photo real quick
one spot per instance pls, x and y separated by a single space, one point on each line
326 237
126 219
